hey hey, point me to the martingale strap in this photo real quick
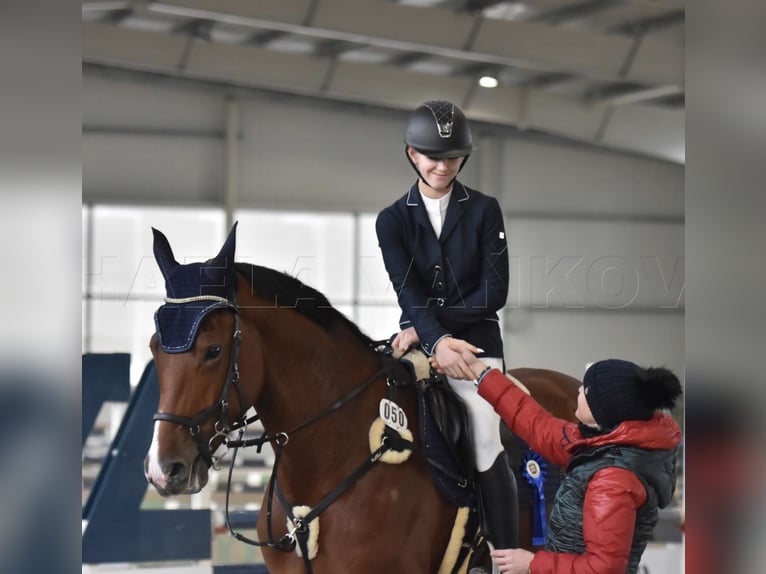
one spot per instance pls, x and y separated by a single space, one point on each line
284 544
391 441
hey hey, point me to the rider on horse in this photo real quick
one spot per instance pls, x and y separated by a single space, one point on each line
445 251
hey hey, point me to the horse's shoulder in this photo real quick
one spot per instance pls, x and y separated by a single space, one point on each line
531 375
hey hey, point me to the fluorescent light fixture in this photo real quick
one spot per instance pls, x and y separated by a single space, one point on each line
488 82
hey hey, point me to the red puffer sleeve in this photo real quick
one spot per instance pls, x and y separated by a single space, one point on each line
544 433
612 499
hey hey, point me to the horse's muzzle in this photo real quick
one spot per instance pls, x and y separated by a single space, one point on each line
177 477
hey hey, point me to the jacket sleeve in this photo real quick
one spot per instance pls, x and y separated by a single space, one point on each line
492 289
411 296
612 500
531 422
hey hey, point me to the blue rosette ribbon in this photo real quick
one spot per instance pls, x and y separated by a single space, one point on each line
533 470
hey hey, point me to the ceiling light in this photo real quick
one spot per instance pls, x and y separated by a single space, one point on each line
488 82
505 10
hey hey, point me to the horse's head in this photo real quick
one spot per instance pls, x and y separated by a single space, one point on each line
195 349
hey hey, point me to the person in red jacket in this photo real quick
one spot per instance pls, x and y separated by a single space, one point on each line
620 462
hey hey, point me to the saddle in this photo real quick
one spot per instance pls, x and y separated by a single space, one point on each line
445 433
447 446
446 438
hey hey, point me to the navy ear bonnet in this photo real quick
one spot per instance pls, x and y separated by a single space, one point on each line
193 291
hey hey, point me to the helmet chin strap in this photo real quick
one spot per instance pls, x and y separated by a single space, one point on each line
423 179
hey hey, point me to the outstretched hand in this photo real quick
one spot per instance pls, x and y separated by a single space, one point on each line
476 365
512 560
453 358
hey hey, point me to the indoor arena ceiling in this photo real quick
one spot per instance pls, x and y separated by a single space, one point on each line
606 72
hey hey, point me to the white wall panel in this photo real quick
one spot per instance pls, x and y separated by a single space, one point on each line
125 285
567 340
646 128
130 104
123 326
318 251
122 258
144 168
320 158
374 287
380 322
569 179
596 264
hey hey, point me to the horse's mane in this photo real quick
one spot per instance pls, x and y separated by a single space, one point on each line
287 291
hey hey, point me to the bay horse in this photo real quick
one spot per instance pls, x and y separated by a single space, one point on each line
234 336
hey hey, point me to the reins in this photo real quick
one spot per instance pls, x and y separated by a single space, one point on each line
320 415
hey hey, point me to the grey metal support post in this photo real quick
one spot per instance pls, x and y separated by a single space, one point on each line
231 155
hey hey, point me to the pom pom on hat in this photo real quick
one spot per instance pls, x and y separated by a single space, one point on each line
618 391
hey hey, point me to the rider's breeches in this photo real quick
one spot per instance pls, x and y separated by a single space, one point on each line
485 422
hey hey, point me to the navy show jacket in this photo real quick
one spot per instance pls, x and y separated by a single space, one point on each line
453 285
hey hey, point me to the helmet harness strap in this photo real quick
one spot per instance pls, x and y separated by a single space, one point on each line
420 175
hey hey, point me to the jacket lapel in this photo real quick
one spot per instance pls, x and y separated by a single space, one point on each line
455 209
418 210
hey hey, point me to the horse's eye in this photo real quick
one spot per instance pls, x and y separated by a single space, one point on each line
213 351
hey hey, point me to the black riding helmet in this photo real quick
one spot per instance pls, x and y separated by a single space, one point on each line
438 129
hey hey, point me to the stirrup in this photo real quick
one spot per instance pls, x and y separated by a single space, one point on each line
481 569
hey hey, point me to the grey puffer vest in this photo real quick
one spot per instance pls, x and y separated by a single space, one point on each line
655 469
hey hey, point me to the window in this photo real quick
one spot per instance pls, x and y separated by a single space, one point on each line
122 285
336 253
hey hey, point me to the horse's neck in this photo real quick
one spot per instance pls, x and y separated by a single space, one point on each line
306 369
307 372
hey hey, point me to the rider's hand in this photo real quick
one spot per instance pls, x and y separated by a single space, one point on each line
452 357
404 340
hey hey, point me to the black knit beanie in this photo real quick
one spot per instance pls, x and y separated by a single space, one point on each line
618 391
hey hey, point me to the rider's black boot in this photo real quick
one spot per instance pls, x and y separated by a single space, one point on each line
500 508
500 503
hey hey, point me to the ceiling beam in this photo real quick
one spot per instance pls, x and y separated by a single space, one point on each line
440 32
571 12
264 38
250 66
635 96
550 80
334 48
668 20
105 6
669 4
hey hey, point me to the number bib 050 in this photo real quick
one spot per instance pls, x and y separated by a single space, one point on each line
393 415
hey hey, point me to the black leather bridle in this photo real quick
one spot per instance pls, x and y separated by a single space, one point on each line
222 425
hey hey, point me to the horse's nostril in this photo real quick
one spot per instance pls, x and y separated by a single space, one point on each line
175 470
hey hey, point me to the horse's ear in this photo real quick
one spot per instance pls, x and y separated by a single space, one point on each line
225 257
163 253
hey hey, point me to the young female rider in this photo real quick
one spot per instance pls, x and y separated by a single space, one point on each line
445 251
